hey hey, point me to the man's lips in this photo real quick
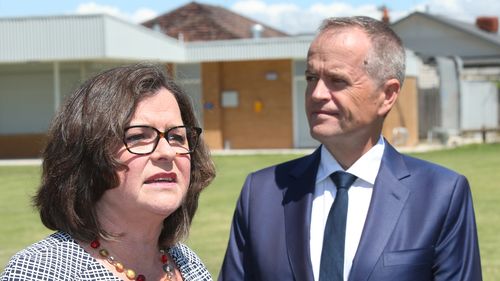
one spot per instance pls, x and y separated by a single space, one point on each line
161 177
325 112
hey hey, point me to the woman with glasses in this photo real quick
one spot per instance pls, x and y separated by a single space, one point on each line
122 172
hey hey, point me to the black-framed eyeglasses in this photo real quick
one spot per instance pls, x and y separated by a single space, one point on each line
143 139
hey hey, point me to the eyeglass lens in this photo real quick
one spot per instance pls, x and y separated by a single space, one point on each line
144 139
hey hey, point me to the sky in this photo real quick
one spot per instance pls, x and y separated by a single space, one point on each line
290 16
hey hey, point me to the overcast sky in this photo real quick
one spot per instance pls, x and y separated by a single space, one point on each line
291 16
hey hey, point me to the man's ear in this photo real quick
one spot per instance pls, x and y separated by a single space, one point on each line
391 90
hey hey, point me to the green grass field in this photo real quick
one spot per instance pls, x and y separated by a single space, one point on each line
20 225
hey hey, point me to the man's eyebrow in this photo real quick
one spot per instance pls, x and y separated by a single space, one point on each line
338 75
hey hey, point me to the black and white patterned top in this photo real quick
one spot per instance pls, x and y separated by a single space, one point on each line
59 257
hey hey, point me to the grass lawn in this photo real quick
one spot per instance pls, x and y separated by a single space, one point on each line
20 225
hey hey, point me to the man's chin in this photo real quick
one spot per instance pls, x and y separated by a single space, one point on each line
323 132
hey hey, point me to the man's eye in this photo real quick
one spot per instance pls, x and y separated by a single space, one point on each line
311 78
338 81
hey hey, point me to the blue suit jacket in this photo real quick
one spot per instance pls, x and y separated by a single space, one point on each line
420 225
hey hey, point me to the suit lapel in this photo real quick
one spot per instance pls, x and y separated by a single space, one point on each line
297 201
388 199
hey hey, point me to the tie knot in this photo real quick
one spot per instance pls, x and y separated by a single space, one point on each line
343 179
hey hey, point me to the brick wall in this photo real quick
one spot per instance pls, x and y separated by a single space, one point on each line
21 146
263 116
404 114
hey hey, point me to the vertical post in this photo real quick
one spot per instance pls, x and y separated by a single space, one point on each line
83 72
57 86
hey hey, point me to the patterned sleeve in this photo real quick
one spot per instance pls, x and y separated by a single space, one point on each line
190 265
25 266
57 257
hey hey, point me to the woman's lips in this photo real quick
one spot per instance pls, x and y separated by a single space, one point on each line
161 177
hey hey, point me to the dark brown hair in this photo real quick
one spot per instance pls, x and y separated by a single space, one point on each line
79 163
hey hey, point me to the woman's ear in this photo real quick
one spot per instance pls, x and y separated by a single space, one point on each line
391 90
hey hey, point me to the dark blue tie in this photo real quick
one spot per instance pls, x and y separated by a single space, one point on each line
332 254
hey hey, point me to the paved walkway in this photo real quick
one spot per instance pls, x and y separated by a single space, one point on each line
419 148
20 162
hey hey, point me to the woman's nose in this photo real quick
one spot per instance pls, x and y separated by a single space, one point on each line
164 150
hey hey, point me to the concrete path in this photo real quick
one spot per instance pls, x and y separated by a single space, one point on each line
20 162
419 148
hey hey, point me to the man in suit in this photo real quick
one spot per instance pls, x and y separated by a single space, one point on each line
407 219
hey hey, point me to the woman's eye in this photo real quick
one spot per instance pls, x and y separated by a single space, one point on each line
135 138
176 138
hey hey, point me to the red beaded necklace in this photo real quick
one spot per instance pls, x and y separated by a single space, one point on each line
168 265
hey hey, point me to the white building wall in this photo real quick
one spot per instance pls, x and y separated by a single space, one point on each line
428 37
27 102
428 77
479 104
50 38
248 49
188 76
134 42
302 135
82 37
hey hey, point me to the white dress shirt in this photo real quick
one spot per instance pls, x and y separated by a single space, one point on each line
360 194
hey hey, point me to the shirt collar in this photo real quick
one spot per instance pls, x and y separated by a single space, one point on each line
365 168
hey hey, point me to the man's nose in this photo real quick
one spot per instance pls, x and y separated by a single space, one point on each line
320 91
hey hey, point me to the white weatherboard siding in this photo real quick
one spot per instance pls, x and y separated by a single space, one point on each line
249 49
479 104
436 36
88 37
26 102
27 93
102 37
134 42
49 39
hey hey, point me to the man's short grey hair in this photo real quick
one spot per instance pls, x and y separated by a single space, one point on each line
386 60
